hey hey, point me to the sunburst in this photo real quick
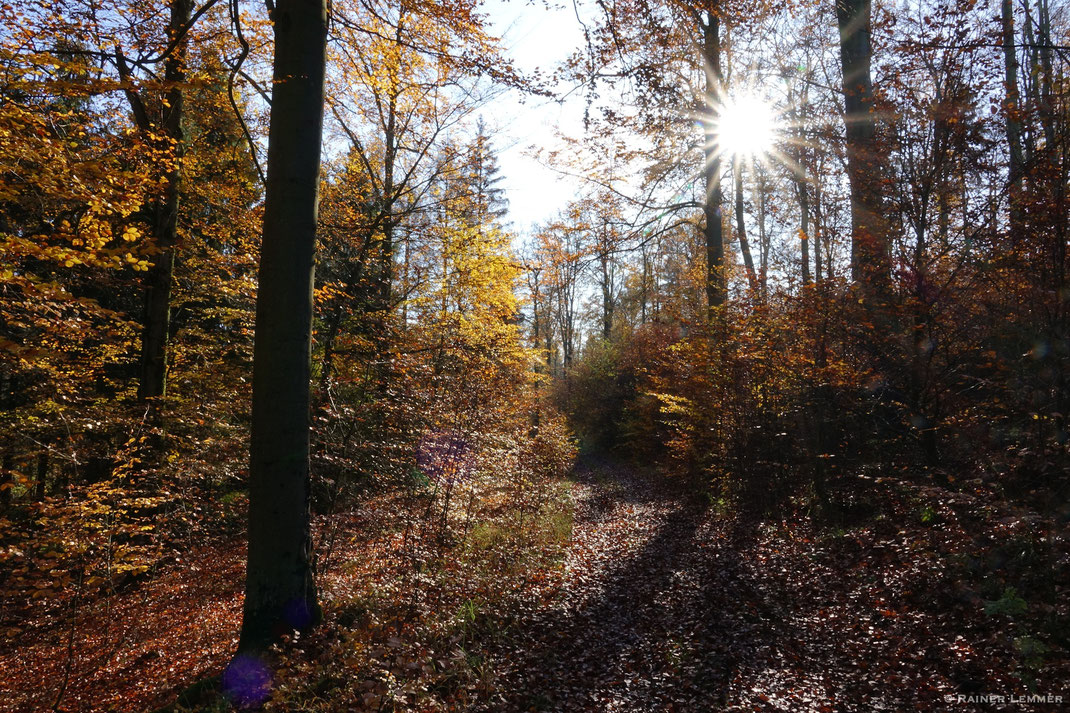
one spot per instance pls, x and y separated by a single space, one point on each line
747 126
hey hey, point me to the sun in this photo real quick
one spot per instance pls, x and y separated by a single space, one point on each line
746 126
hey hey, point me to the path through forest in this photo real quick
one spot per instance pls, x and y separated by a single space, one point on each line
655 613
667 605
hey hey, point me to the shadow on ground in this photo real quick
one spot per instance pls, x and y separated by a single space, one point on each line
655 613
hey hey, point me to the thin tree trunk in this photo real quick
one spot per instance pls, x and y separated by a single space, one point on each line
714 230
763 239
741 226
607 296
643 297
280 592
40 484
7 479
819 232
1013 106
804 231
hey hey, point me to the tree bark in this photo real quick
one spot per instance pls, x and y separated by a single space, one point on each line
607 300
870 266
1011 109
280 592
804 238
157 315
764 245
741 226
40 484
714 230
819 232
606 283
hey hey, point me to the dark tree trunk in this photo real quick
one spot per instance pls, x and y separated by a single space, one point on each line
607 291
154 336
7 480
804 238
714 230
741 228
764 245
819 231
40 486
1013 124
865 159
280 592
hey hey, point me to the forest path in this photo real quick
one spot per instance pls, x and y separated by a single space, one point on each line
667 606
653 613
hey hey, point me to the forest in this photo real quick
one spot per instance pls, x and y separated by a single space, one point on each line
302 410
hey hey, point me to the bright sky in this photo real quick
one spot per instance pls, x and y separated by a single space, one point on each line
536 37
540 37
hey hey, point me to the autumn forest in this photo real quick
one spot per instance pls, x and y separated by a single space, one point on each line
639 356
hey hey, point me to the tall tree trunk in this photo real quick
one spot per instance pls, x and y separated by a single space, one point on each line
607 290
764 243
607 306
714 230
40 484
741 226
280 593
804 229
7 481
819 230
155 334
870 264
799 180
1013 124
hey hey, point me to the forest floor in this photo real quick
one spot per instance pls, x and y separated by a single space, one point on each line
655 600
668 605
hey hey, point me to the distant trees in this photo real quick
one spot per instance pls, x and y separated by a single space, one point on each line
913 204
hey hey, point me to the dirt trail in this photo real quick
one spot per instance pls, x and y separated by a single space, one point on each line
665 606
653 613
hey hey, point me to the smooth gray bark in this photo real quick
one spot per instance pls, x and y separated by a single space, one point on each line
280 593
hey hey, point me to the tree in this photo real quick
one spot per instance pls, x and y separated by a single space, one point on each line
280 592
1012 108
713 229
164 215
866 159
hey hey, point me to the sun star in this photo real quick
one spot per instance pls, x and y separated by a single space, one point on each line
746 126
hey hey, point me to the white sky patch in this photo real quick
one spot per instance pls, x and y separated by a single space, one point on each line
536 37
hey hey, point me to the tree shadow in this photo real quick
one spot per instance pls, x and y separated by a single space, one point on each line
665 628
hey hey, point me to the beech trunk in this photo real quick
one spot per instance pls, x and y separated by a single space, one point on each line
280 592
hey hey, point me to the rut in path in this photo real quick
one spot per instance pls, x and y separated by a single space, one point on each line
653 613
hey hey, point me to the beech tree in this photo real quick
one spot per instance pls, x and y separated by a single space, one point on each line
866 159
280 592
164 214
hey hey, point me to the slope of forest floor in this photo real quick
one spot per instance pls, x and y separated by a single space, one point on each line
626 591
